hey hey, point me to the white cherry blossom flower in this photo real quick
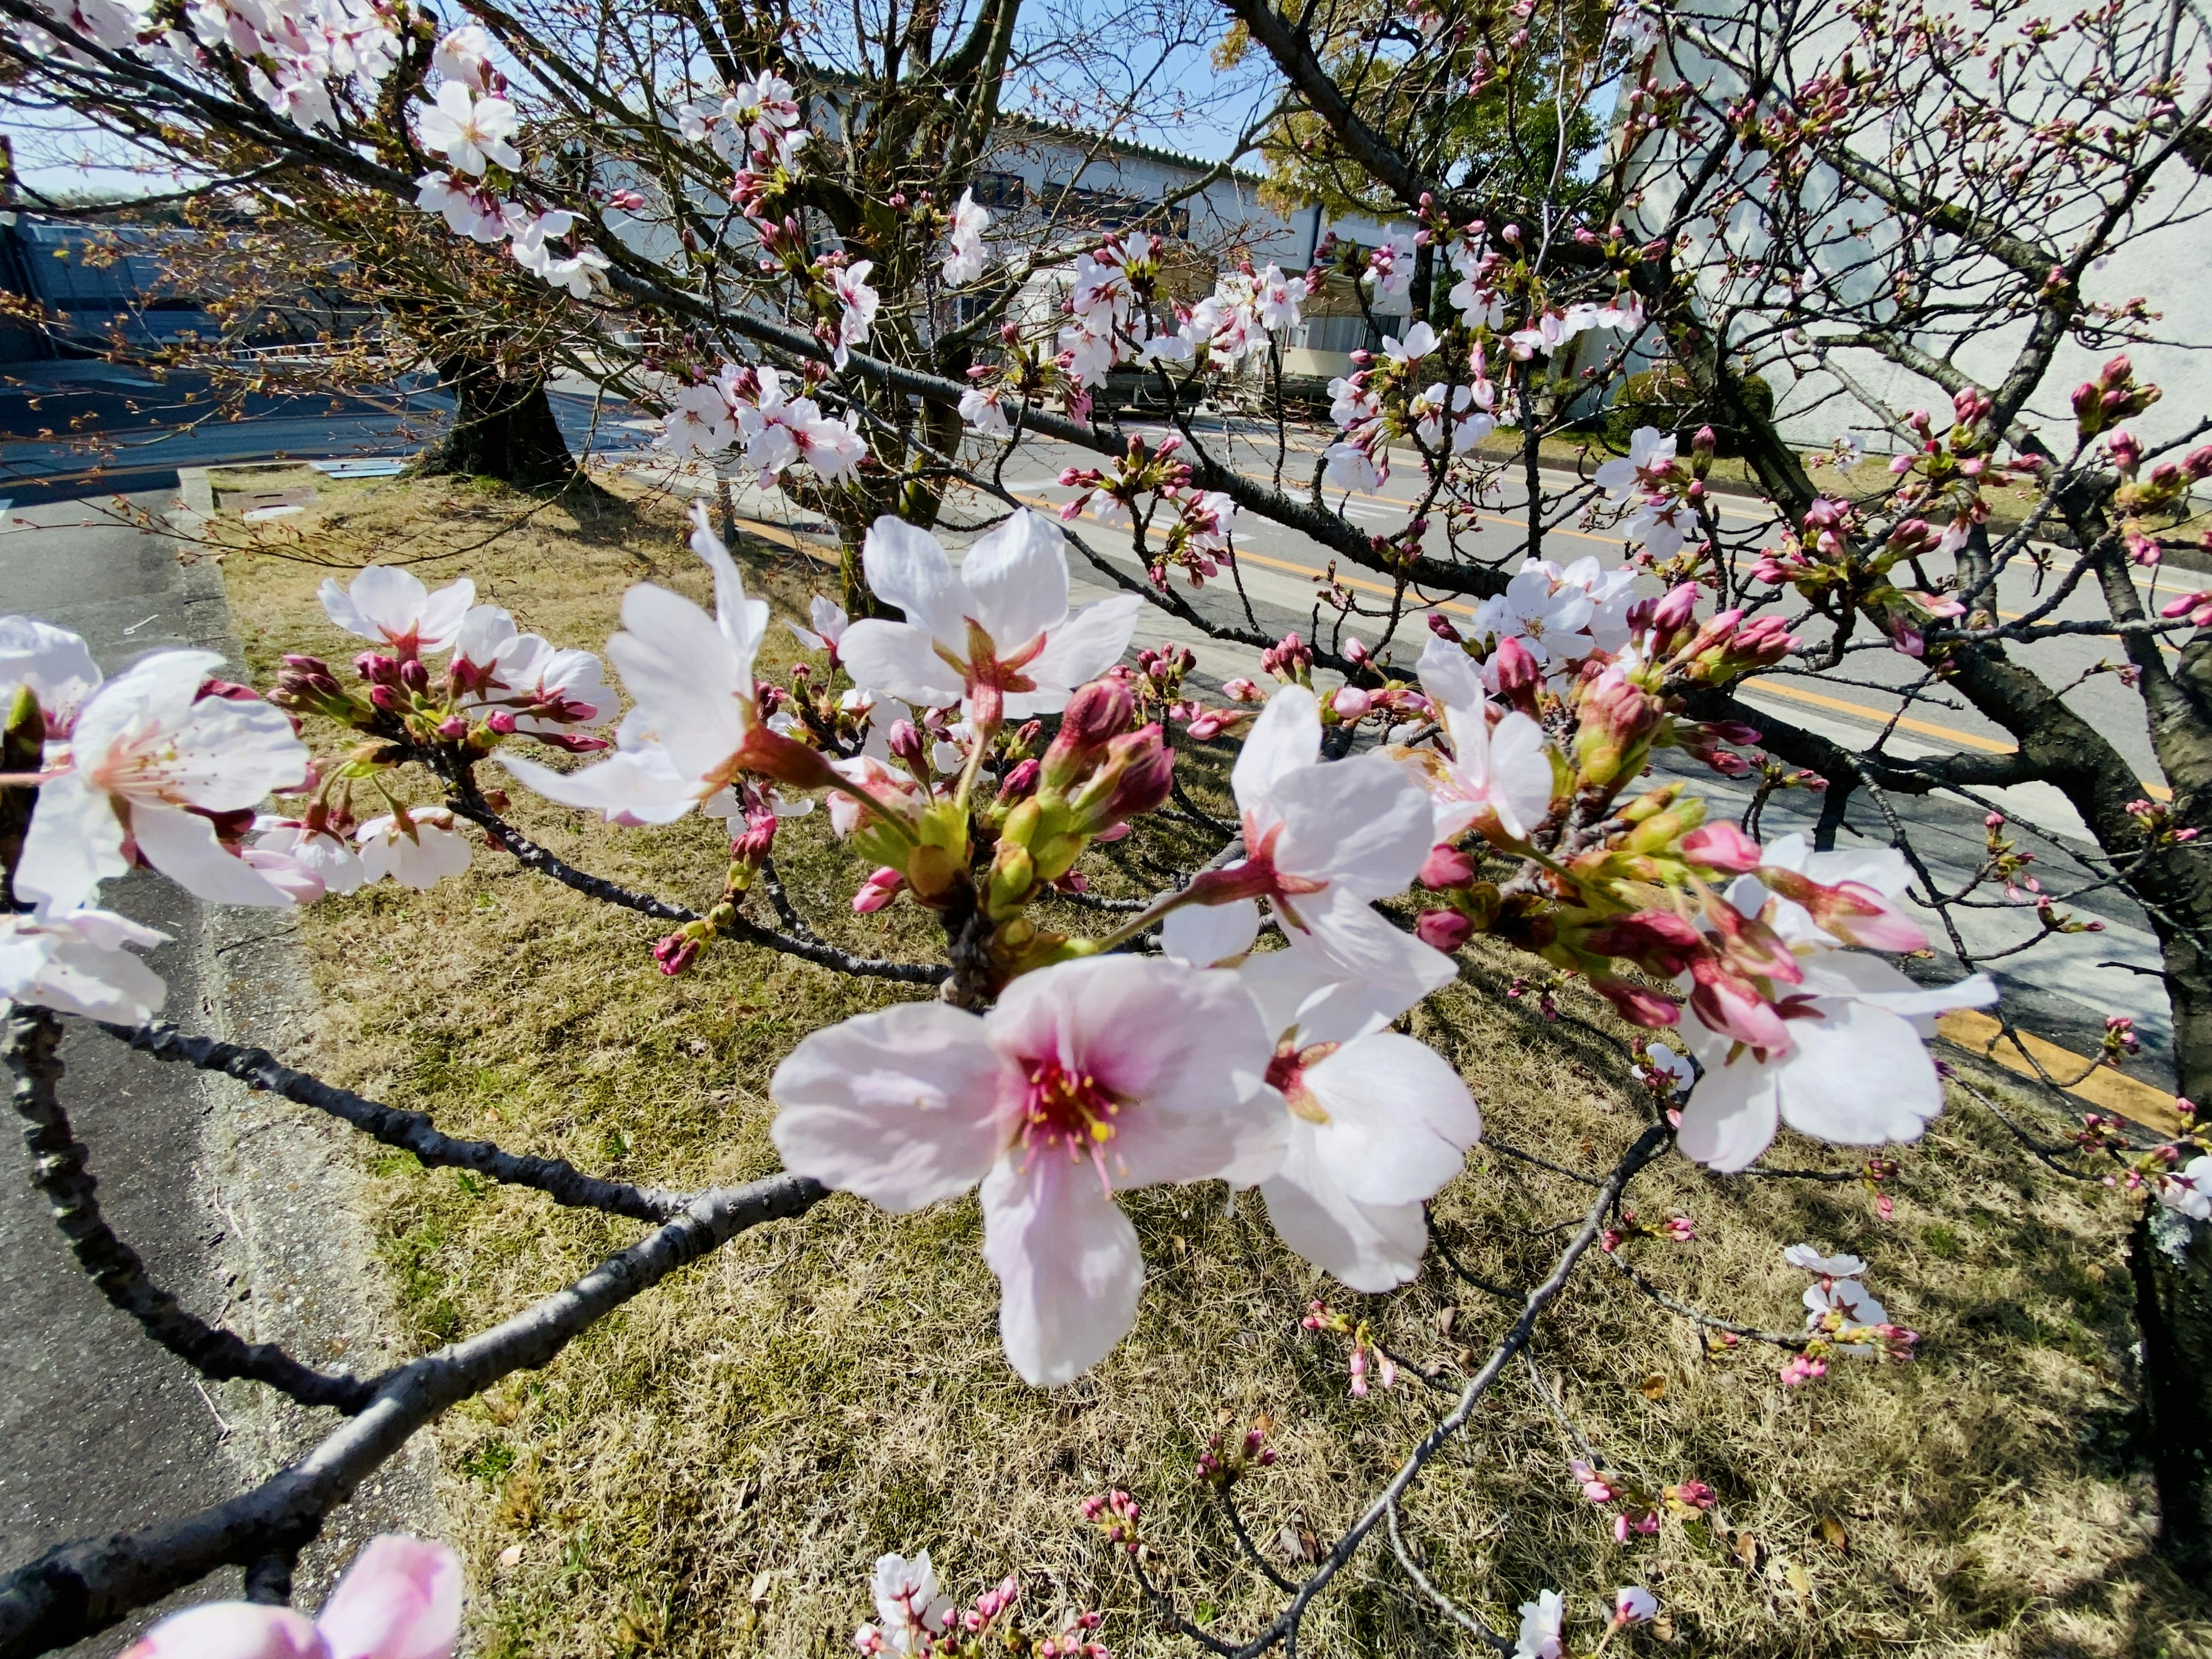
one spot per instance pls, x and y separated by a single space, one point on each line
1498 774
1322 841
465 55
1541 1622
394 608
829 622
1349 466
1279 298
543 688
419 849
857 303
983 409
401 1599
1551 618
1675 1068
1090 1077
1648 448
997 633
472 131
323 850
1377 1122
2188 1189
1847 1299
1634 1605
908 1602
56 663
1856 1072
74 961
965 262
469 210
693 723
145 752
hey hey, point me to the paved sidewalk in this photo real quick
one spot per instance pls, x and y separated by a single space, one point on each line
228 1196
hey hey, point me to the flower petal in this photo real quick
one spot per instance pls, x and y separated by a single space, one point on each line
1078 651
636 786
1858 1076
1370 1248
1342 930
900 1106
1400 1118
1210 935
1286 736
74 843
900 659
1068 1265
231 1630
906 566
1730 1117
687 682
1018 575
401 1599
183 846
1362 825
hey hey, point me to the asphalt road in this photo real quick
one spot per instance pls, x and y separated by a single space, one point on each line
99 1430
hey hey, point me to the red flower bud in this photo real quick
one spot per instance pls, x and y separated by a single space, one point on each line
1444 930
1447 867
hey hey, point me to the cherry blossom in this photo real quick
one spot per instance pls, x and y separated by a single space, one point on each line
401 1599
149 759
694 721
465 55
74 961
1321 840
468 208
983 409
1846 1062
1634 1605
1674 1069
1649 451
2188 1189
997 635
1499 776
829 622
1377 1122
317 848
418 848
1541 1622
55 664
908 1602
393 607
964 232
1828 1266
1550 616
1390 265
1098 1075
473 131
858 304
538 688
764 115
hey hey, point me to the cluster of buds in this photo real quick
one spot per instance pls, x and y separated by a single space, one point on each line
1223 1465
1114 495
1641 1509
1675 1230
1158 684
1197 542
2120 1039
1728 646
1365 1354
1290 660
2154 820
2164 490
2112 397
1877 1172
2100 1132
1116 1514
1096 775
753 826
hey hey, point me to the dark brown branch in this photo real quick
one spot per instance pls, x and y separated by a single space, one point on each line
412 1132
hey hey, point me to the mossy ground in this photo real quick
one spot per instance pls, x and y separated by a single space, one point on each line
714 1469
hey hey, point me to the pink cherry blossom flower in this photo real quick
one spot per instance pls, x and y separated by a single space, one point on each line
1107 1074
1499 776
394 608
147 760
401 1599
417 849
542 689
74 961
1322 842
996 634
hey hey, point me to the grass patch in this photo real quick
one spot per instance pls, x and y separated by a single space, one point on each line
712 1470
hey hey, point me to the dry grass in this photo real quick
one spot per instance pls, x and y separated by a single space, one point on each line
712 1470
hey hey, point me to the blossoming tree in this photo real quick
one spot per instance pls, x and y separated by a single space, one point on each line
976 738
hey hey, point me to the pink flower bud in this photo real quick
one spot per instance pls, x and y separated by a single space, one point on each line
1020 781
1444 930
1351 702
1440 625
675 953
454 728
1445 867
414 676
1517 669
877 891
1722 846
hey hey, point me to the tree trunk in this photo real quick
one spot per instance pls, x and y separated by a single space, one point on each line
2171 1257
503 428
